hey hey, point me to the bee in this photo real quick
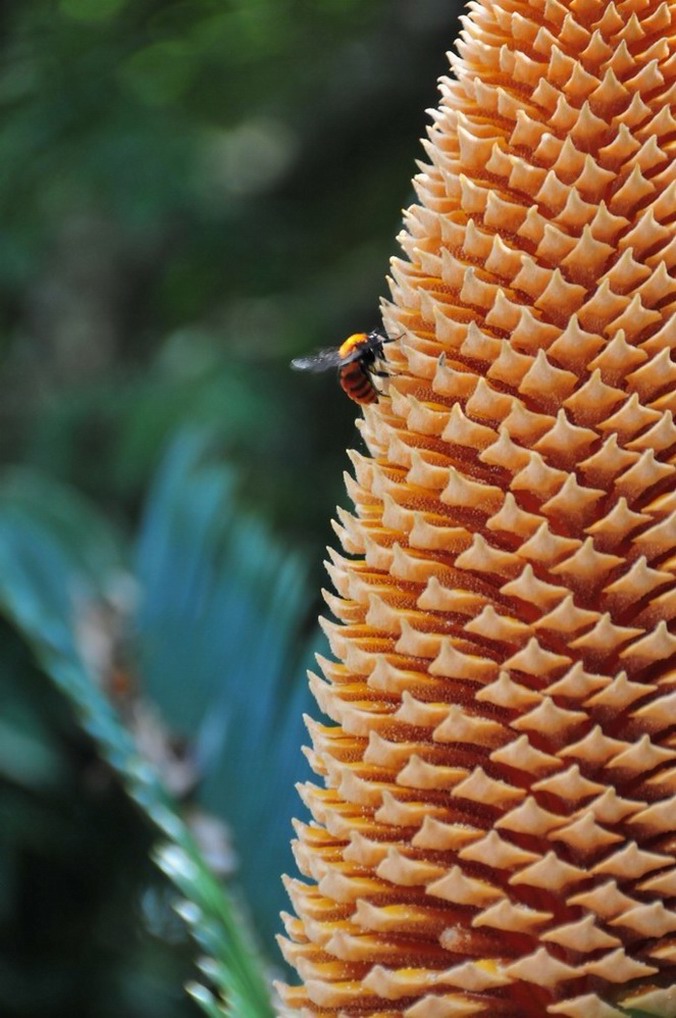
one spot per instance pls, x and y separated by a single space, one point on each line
357 361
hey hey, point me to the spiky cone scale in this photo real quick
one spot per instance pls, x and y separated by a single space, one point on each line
497 831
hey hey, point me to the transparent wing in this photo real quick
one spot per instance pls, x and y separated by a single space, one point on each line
323 360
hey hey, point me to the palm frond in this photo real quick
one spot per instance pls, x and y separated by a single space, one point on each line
222 653
57 555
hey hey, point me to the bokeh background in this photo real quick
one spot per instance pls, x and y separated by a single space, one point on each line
192 193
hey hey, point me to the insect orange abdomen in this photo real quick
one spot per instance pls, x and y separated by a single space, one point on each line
356 382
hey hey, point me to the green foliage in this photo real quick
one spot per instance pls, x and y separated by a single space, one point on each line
218 634
49 542
74 869
192 193
75 878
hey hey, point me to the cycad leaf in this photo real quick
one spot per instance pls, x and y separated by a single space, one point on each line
56 554
222 655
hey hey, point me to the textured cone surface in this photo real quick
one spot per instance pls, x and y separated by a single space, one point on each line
494 827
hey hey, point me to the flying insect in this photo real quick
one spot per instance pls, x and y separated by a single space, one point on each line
357 360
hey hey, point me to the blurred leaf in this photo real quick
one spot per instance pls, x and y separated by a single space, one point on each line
43 577
91 10
159 73
73 866
222 653
24 756
232 171
90 545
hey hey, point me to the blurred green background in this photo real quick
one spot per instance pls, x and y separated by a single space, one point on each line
192 193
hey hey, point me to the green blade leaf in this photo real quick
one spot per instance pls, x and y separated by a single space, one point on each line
56 555
223 654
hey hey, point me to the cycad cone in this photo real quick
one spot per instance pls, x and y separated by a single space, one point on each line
497 832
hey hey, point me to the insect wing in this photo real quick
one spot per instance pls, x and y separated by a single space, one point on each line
323 360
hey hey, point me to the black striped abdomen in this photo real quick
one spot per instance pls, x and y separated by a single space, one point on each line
357 383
